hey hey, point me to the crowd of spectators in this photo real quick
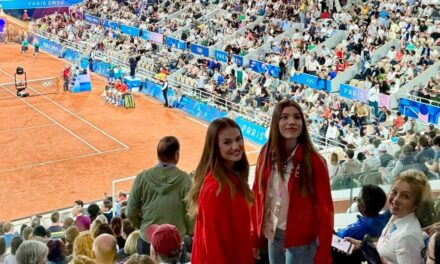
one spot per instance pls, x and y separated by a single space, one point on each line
367 25
430 91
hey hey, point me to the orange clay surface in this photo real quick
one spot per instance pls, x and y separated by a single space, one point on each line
57 148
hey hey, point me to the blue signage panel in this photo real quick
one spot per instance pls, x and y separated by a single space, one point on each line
71 55
100 67
110 24
251 131
92 19
31 4
200 109
424 112
84 63
239 60
152 36
262 67
199 49
353 93
221 55
51 47
312 81
175 43
132 31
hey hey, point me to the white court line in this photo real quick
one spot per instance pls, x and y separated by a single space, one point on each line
61 160
197 121
75 115
56 122
25 128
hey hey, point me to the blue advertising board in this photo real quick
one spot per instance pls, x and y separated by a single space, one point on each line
312 81
221 55
31 4
199 49
154 90
239 60
92 19
353 93
71 55
84 63
132 31
110 24
175 43
51 47
200 109
424 112
100 67
152 36
262 67
251 131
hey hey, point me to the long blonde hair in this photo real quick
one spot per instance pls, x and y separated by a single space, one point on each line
212 161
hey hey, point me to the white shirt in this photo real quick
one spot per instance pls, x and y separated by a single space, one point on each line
402 241
277 199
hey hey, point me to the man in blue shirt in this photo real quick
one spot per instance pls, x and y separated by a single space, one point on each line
370 202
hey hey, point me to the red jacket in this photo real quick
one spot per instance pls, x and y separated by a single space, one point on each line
308 217
222 233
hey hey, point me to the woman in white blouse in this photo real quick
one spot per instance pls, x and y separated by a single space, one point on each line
402 238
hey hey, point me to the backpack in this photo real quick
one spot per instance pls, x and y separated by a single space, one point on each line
129 101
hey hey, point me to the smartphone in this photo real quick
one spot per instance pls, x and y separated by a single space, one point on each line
341 244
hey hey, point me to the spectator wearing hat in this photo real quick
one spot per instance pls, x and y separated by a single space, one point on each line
166 244
158 193
384 157
371 163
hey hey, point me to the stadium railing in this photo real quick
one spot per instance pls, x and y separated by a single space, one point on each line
421 79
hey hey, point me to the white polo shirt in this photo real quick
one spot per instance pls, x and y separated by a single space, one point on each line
402 241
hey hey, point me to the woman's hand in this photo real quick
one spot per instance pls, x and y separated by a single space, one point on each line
356 243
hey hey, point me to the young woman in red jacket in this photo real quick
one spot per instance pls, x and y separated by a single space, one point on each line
293 206
221 197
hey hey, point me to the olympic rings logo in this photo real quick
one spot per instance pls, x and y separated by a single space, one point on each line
47 83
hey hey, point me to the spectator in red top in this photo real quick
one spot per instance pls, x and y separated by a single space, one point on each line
341 65
293 206
115 94
324 14
66 76
220 198
399 121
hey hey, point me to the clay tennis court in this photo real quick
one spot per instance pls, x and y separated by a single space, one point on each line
56 148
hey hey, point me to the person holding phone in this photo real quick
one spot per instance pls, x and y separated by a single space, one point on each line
220 198
402 238
293 206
